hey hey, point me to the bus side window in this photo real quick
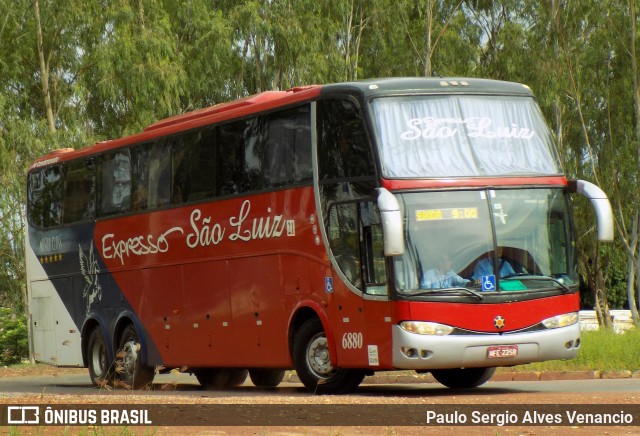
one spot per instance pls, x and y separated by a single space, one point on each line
45 197
287 157
194 166
343 239
151 170
343 147
36 198
230 166
80 191
140 176
252 161
159 175
115 183
374 261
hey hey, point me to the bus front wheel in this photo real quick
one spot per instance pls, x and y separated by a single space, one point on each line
100 370
312 363
129 362
462 378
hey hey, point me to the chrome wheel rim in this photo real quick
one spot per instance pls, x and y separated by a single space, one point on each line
98 358
130 357
318 359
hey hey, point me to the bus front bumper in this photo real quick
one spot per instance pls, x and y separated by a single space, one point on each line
415 351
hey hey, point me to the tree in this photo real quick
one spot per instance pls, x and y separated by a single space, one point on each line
37 48
594 111
134 71
427 38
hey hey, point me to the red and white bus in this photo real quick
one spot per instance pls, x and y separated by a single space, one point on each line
335 229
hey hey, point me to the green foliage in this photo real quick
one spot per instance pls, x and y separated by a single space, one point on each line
601 350
13 337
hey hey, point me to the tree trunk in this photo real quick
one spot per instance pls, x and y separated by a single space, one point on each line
427 55
44 69
636 100
634 265
601 305
347 43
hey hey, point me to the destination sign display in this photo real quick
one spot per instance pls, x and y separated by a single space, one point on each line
453 213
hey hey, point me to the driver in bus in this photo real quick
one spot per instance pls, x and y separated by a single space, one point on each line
484 267
442 276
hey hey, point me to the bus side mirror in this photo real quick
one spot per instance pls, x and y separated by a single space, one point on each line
391 219
600 203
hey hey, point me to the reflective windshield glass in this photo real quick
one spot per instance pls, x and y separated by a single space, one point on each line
462 135
450 241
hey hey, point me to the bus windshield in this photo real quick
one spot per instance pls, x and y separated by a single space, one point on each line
462 136
450 241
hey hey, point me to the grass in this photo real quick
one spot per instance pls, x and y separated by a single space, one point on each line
599 351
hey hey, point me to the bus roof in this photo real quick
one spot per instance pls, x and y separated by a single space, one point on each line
273 99
421 85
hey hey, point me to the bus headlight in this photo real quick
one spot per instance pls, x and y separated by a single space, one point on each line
426 328
561 320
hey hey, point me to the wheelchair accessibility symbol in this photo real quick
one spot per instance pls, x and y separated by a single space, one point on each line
328 284
489 283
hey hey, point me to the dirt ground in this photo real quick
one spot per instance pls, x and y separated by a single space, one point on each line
36 370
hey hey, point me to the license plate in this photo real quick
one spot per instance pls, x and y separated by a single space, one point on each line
502 351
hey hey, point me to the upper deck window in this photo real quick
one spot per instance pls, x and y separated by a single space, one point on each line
463 136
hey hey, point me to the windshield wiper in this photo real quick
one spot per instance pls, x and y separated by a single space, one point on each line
527 276
470 291
446 291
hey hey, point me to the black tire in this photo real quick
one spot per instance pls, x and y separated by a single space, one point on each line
266 378
312 364
463 378
100 368
212 378
131 372
236 377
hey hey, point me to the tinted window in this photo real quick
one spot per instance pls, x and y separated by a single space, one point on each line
45 197
151 176
79 191
115 182
343 149
194 166
249 155
239 166
288 149
343 239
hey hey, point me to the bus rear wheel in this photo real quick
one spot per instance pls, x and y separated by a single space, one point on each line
100 371
236 377
266 378
215 378
462 378
212 378
131 371
312 363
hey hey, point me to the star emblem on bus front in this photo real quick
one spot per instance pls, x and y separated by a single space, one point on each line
498 322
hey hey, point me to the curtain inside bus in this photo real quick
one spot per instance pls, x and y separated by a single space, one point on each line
462 136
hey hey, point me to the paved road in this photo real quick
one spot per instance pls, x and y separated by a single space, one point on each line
187 386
